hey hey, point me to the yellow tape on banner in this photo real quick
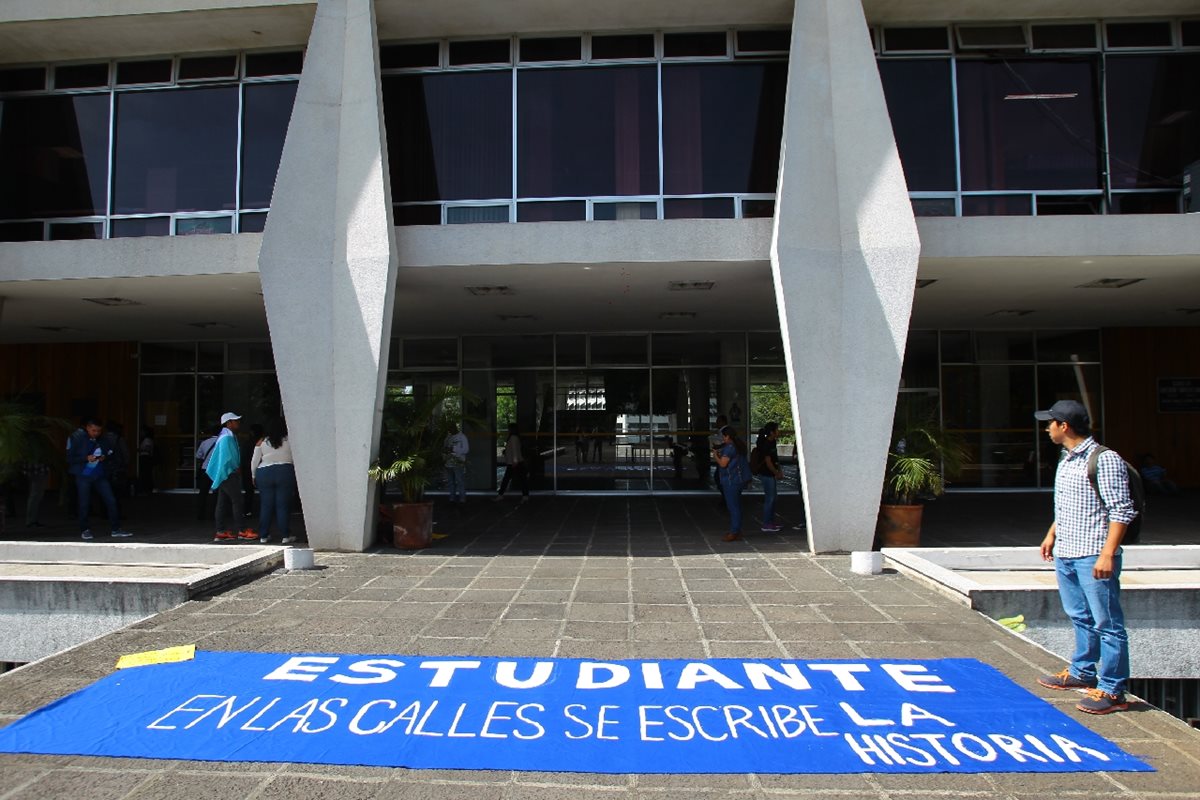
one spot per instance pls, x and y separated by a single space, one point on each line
169 655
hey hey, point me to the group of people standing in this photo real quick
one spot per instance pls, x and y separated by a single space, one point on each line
272 472
736 468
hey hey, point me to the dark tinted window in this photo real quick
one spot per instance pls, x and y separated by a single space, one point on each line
933 206
400 56
508 351
62 231
24 79
1064 37
921 105
560 48
80 76
764 41
130 72
587 132
54 156
1153 118
1005 206
683 45
627 46
175 150
617 350
621 211
1145 203
267 111
259 65
1068 346
252 223
141 226
1189 33
562 211
1139 34
449 135
698 208
721 126
490 51
207 67
698 348
758 209
910 39
22 232
429 352
1029 124
1051 205
417 215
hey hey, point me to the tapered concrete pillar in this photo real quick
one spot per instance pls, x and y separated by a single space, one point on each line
328 264
844 256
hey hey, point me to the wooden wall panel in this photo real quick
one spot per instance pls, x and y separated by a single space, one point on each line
1134 359
99 378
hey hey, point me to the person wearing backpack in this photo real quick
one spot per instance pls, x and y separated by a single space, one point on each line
1084 542
764 463
735 475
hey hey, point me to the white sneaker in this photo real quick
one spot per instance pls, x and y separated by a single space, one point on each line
120 534
86 535
287 540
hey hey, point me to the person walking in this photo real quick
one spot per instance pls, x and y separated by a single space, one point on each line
1084 542
734 473
457 447
88 449
224 470
768 473
274 474
514 465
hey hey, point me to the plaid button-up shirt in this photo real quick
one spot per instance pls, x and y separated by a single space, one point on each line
1081 517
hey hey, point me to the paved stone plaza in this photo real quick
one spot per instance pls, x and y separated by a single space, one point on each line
603 578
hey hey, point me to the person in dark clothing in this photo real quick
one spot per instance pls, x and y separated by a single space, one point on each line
203 482
88 449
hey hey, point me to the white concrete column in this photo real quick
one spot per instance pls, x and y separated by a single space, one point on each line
328 265
844 257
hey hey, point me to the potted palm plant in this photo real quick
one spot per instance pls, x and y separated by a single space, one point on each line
922 455
411 456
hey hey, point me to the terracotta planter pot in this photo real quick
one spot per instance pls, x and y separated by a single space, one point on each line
899 526
411 524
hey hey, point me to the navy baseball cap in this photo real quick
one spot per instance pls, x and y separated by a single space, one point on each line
1071 412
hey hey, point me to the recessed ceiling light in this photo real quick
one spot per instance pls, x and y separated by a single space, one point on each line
1109 283
207 325
923 282
690 286
1011 312
111 301
481 291
677 315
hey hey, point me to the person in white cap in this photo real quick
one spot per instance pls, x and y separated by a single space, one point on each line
224 469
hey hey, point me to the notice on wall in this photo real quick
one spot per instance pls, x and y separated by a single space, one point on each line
1178 395
557 714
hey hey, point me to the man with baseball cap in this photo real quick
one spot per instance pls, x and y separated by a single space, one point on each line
223 469
1084 542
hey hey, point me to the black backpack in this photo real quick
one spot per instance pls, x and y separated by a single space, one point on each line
1137 492
756 460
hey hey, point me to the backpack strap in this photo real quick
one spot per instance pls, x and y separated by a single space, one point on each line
1093 466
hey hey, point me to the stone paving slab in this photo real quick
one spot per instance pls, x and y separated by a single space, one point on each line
578 577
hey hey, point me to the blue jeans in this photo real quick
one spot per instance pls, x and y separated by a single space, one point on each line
276 487
99 481
1094 607
769 489
456 483
733 501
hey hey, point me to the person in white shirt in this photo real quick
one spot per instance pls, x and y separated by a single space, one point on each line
274 475
457 448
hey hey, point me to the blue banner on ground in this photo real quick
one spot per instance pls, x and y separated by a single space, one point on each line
558 714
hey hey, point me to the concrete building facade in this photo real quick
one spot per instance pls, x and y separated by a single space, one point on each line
608 225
